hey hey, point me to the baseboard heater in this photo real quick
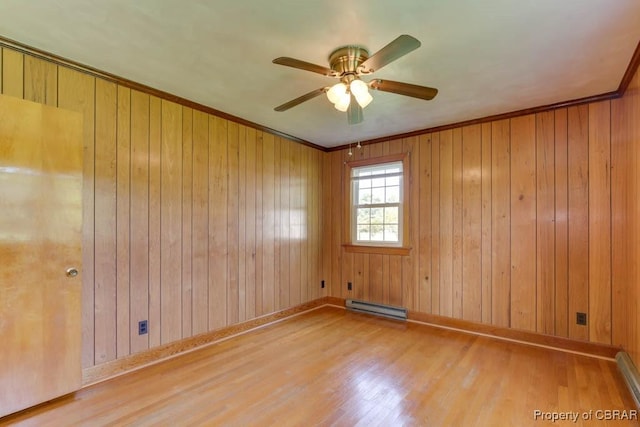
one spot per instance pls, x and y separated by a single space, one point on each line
392 312
630 374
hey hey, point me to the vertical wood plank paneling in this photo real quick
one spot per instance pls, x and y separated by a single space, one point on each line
171 223
523 227
295 209
105 222
268 223
251 282
277 165
410 283
218 196
446 223
285 224
187 221
259 224
500 223
76 92
40 81
395 280
242 222
423 221
12 73
625 185
561 222
1 56
155 160
200 224
335 199
472 223
486 214
358 276
386 281
578 210
457 223
123 186
545 217
233 232
600 222
313 212
305 232
139 308
436 253
327 245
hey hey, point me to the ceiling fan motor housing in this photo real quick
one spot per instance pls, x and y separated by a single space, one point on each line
347 59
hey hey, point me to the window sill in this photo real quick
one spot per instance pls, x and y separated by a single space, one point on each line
382 250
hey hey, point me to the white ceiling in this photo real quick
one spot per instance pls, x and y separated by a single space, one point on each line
485 57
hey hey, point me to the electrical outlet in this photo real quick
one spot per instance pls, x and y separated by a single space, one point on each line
143 327
581 318
322 284
349 286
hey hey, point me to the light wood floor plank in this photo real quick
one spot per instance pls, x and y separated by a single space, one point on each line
333 367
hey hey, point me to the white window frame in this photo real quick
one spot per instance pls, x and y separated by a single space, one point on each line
376 172
350 243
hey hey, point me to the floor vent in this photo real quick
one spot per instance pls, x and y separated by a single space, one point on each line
398 313
630 374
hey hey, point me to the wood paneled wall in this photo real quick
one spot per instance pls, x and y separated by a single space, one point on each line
518 223
190 221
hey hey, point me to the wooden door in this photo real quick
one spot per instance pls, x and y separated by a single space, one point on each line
40 239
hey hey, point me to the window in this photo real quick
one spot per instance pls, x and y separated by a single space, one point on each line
376 215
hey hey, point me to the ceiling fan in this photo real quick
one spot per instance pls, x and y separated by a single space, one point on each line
348 63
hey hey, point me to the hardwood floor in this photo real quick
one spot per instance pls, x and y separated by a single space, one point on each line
333 367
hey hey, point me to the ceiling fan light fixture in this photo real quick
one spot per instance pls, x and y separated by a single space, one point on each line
343 102
360 90
364 100
336 92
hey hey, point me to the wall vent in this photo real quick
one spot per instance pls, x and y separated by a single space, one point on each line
630 374
398 313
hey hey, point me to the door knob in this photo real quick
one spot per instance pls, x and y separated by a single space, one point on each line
72 272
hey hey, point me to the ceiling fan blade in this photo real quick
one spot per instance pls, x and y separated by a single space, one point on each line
406 89
301 99
307 66
394 50
354 113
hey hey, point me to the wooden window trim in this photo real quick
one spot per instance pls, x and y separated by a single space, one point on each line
348 245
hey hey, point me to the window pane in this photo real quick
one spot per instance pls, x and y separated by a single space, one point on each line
394 180
364 197
363 215
365 183
394 169
391 233
377 216
377 233
393 195
377 195
363 232
391 215
377 182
